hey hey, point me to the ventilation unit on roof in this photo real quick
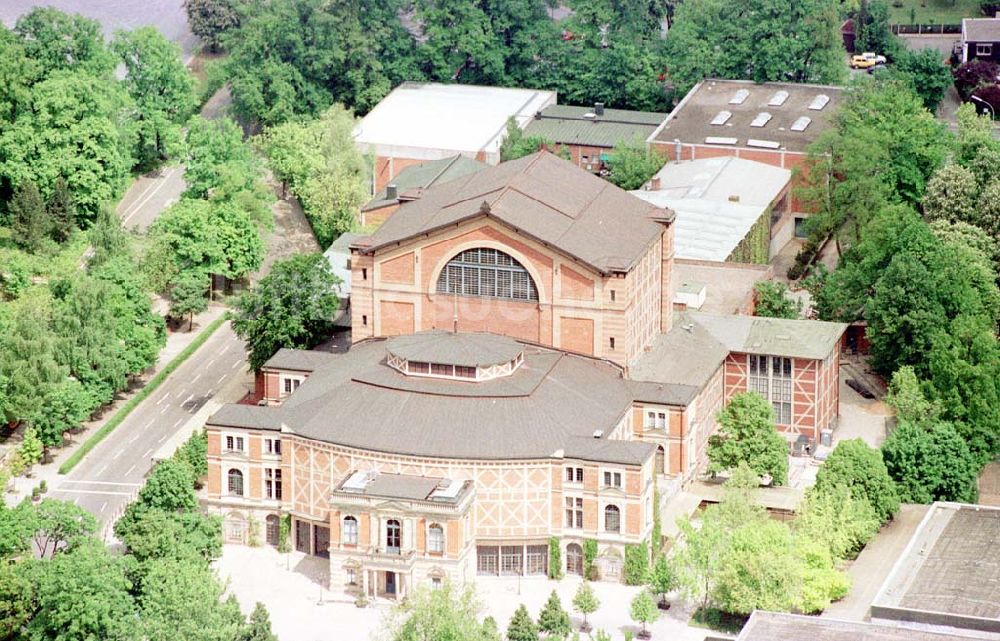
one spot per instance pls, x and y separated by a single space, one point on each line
763 144
719 140
448 491
721 118
358 481
762 119
739 97
801 123
778 98
819 102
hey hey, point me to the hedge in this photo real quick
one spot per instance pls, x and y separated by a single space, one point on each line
133 402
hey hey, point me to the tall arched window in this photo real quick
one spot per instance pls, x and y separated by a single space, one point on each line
235 482
435 539
486 272
612 519
349 533
393 536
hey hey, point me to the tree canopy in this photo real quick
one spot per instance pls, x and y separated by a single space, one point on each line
747 435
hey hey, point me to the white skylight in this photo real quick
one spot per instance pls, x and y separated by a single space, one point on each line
819 102
739 97
778 98
763 144
721 117
719 140
761 119
801 123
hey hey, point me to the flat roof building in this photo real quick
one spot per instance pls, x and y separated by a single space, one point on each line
777 626
419 121
948 578
772 122
724 206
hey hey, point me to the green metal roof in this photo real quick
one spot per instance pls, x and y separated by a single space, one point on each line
571 125
425 175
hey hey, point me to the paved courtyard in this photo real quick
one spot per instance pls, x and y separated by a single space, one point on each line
302 610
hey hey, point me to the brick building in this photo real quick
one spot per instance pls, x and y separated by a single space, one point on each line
517 375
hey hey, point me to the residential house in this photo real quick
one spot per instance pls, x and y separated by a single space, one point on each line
980 39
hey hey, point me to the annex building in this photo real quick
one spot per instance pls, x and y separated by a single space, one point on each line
518 376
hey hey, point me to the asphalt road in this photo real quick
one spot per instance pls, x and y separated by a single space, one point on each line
112 472
149 195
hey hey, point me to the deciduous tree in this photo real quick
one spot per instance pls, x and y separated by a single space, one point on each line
293 306
747 435
643 609
631 164
61 41
585 602
774 300
834 518
860 468
445 613
931 463
183 599
259 626
951 195
61 211
59 523
662 579
211 19
553 620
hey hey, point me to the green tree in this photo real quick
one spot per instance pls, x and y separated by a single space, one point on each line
183 599
516 145
908 399
521 627
107 237
460 43
632 164
16 597
170 487
211 19
643 609
975 238
17 526
64 407
951 195
259 626
636 570
444 613
975 135
989 209
293 306
765 40
64 42
872 28
759 569
214 146
836 519
61 211
155 534
31 448
194 452
589 556
926 71
553 620
78 129
860 468
490 631
585 602
59 523
773 300
555 558
161 88
84 594
662 579
28 363
747 435
28 219
931 464
187 295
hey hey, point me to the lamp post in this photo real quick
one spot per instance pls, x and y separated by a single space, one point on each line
993 113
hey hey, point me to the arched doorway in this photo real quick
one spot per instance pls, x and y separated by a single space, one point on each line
661 460
574 559
272 528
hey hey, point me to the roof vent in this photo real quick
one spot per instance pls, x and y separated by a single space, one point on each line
778 98
358 481
819 102
719 140
734 198
447 489
391 192
763 144
598 108
739 97
598 433
801 123
762 119
721 118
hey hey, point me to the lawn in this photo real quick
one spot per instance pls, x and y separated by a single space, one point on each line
932 11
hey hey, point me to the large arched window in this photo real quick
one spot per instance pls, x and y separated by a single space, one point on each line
435 539
350 531
486 272
393 536
612 519
235 482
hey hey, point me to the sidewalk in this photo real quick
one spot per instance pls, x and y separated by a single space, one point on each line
176 342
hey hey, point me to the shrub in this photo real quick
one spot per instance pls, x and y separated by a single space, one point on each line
636 570
589 554
555 559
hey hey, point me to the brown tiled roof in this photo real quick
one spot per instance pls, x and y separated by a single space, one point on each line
543 197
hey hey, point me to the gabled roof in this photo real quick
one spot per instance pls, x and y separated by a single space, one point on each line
423 176
581 126
772 336
981 29
541 196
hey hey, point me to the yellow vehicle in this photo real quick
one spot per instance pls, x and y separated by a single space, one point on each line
866 60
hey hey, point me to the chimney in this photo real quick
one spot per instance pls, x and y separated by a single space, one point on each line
598 108
391 193
734 198
654 184
538 115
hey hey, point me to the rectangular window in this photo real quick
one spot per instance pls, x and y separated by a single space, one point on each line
537 559
352 576
302 530
488 560
465 372
612 479
612 295
418 368
272 483
321 536
364 320
511 560
661 420
574 512
234 444
771 377
442 370
984 49
611 342
272 446
649 422
574 475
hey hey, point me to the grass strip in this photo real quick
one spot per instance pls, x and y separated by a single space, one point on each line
133 402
